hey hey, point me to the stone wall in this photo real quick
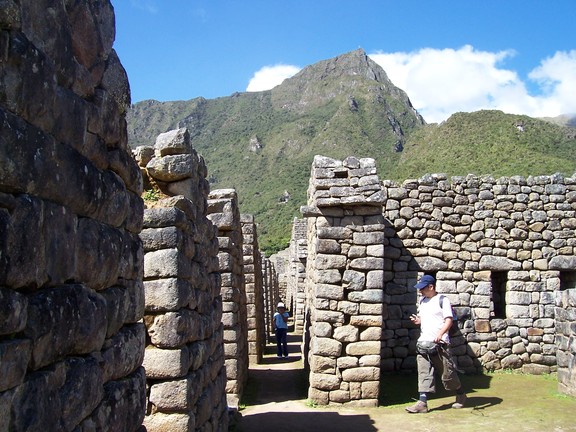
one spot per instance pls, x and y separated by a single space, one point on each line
281 265
298 253
500 250
184 359
566 336
224 213
71 293
254 289
344 284
271 295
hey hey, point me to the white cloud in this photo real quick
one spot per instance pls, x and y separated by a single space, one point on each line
556 76
270 76
441 82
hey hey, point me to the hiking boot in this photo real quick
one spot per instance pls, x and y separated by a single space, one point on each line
460 401
418 408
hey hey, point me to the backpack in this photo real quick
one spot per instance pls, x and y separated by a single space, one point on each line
454 326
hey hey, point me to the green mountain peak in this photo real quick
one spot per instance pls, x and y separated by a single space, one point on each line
263 143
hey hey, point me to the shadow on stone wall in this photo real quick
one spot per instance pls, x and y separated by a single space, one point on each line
399 334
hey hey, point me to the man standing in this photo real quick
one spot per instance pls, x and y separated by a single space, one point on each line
281 330
433 346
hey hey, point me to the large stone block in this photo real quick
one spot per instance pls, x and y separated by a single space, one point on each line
370 389
367 296
363 348
99 247
166 263
123 406
160 238
170 294
118 304
354 280
368 238
158 217
97 194
367 321
361 374
174 329
82 391
58 398
166 363
135 289
321 364
367 264
176 141
176 395
339 396
77 326
326 347
328 246
171 422
328 316
496 263
324 381
123 354
347 333
330 276
326 261
25 251
326 291
335 233
60 237
172 168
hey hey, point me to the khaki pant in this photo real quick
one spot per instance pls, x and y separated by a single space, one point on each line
441 363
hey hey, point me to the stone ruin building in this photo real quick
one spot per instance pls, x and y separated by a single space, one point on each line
185 356
117 316
344 280
224 213
502 250
254 286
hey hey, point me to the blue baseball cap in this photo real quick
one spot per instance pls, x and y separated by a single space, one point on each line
425 281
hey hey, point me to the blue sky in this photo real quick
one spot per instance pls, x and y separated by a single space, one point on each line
449 56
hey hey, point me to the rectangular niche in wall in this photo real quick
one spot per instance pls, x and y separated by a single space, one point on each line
567 280
498 280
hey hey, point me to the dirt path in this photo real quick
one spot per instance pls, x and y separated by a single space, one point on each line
276 401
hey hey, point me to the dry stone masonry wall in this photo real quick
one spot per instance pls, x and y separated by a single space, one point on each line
344 285
501 250
271 295
224 213
566 337
298 254
281 265
254 289
71 293
184 359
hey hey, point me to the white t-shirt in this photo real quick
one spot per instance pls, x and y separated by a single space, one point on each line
432 317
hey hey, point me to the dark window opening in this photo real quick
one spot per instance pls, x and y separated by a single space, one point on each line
498 280
567 280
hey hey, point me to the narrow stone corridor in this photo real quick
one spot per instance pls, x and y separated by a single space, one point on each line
276 398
